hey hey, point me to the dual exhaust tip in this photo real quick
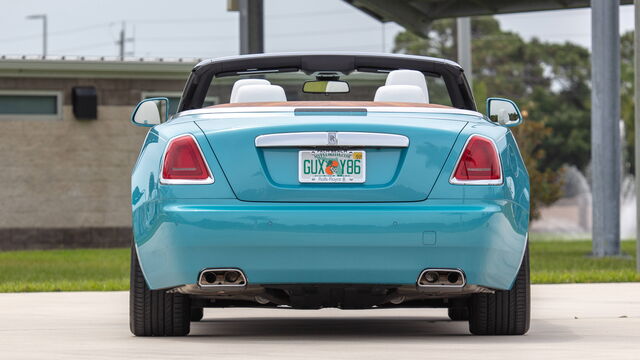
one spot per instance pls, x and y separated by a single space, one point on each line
222 277
441 278
427 278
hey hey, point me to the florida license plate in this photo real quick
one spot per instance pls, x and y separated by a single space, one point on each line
329 166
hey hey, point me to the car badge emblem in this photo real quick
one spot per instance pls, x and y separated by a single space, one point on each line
332 138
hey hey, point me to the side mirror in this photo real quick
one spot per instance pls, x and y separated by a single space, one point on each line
504 112
151 112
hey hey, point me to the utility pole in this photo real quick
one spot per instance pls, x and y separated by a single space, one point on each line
42 17
606 157
251 24
122 41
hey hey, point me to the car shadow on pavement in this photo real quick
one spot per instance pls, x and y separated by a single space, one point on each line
352 328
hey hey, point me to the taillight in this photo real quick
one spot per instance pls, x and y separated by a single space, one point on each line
479 163
183 163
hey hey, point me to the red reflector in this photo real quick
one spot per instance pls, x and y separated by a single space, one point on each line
479 162
183 161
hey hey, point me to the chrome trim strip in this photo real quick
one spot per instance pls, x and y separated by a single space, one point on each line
454 181
332 139
209 180
257 71
459 271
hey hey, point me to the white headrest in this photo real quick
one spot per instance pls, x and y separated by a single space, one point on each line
238 84
260 93
400 93
408 77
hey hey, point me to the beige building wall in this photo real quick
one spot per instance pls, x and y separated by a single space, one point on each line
65 182
68 173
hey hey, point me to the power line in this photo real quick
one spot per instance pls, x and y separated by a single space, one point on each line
228 37
230 18
120 43
88 46
169 21
345 47
188 38
55 33
324 32
178 21
307 14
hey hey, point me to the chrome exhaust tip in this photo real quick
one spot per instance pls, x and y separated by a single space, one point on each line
431 277
441 278
221 278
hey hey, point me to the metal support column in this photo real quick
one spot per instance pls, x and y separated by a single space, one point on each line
463 25
251 26
636 47
605 127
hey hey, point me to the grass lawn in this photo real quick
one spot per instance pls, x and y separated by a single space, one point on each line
64 270
567 262
108 269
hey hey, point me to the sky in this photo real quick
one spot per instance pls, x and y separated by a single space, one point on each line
204 28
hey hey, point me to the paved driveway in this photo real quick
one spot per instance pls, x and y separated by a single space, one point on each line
595 321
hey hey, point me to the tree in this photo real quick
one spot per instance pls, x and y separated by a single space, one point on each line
545 183
545 85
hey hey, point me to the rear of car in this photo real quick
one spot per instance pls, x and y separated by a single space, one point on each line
316 205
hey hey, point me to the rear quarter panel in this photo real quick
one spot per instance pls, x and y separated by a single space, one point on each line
146 190
514 191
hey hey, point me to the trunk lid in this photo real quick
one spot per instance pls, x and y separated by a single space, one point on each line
269 170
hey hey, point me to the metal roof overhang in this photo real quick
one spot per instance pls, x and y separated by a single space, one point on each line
417 15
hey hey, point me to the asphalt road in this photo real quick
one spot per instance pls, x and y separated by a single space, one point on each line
595 321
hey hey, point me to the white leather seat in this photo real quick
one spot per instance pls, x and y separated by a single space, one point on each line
260 93
240 83
408 77
400 93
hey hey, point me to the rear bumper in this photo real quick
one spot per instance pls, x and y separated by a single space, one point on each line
284 243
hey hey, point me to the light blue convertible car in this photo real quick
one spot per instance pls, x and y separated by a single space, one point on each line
354 181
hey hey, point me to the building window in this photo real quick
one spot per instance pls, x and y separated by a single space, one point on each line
174 99
18 105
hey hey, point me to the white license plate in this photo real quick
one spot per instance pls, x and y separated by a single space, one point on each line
332 166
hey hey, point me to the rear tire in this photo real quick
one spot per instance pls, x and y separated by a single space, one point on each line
505 312
459 313
155 312
197 314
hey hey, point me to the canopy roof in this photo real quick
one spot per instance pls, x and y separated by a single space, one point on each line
416 15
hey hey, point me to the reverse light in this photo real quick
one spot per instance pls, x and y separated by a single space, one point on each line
183 163
479 163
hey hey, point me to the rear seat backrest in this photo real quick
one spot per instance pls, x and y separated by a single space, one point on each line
240 83
260 93
400 93
408 77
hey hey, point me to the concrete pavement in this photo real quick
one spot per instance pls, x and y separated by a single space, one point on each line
586 321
